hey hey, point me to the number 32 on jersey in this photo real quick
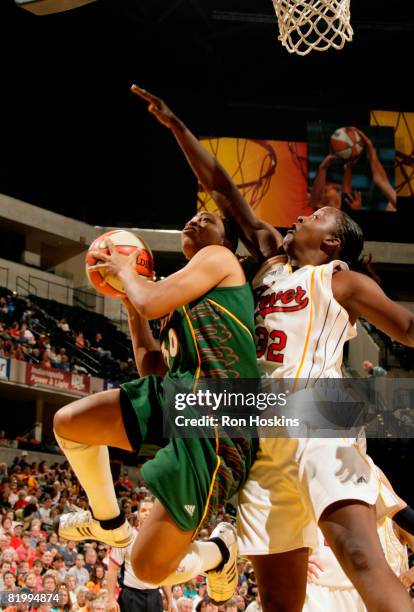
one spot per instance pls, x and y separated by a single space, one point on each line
270 345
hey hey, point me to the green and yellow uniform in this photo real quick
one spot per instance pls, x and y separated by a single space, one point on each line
212 337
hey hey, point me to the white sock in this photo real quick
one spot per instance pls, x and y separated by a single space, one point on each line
91 466
200 557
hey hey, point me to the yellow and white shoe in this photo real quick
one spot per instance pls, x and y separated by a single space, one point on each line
82 526
222 581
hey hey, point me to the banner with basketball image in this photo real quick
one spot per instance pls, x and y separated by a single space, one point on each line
271 175
351 167
403 126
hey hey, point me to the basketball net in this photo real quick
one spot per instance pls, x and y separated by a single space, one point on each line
252 189
313 25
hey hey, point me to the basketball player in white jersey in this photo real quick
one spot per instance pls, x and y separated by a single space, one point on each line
328 586
308 303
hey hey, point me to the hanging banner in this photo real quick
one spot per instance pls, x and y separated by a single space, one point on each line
57 379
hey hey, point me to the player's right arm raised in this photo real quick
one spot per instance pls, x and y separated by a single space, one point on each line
261 238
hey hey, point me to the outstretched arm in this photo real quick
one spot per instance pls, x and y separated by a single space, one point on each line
147 352
362 297
320 182
260 238
379 176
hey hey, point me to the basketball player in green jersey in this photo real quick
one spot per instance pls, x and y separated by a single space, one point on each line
207 331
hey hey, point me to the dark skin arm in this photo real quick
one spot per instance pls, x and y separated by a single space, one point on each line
362 297
147 352
261 239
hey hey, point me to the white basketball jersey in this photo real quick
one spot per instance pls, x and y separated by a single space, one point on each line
300 327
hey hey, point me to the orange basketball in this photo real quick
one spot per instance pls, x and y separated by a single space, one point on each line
346 143
125 243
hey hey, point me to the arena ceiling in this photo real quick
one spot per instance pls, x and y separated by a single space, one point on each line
74 139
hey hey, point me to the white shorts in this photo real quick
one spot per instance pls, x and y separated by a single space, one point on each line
330 599
290 485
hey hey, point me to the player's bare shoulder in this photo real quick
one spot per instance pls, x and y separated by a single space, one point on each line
220 258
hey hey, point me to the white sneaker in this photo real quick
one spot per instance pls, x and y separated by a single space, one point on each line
222 582
82 526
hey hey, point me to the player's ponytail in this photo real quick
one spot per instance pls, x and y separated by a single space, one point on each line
231 233
352 243
351 237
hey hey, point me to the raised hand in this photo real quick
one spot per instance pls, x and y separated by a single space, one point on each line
354 199
156 106
325 163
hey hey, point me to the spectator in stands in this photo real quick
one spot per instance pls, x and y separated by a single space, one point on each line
53 543
46 364
206 605
69 553
58 564
65 603
16 538
230 605
176 593
71 587
30 581
44 510
102 553
51 353
78 570
25 552
80 340
64 326
41 548
90 559
21 500
14 331
26 335
190 588
90 599
62 360
56 492
49 582
81 593
97 347
6 527
97 577
372 370
47 561
184 605
5 566
37 568
201 593
9 581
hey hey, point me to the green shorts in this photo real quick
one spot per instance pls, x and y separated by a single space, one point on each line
191 477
